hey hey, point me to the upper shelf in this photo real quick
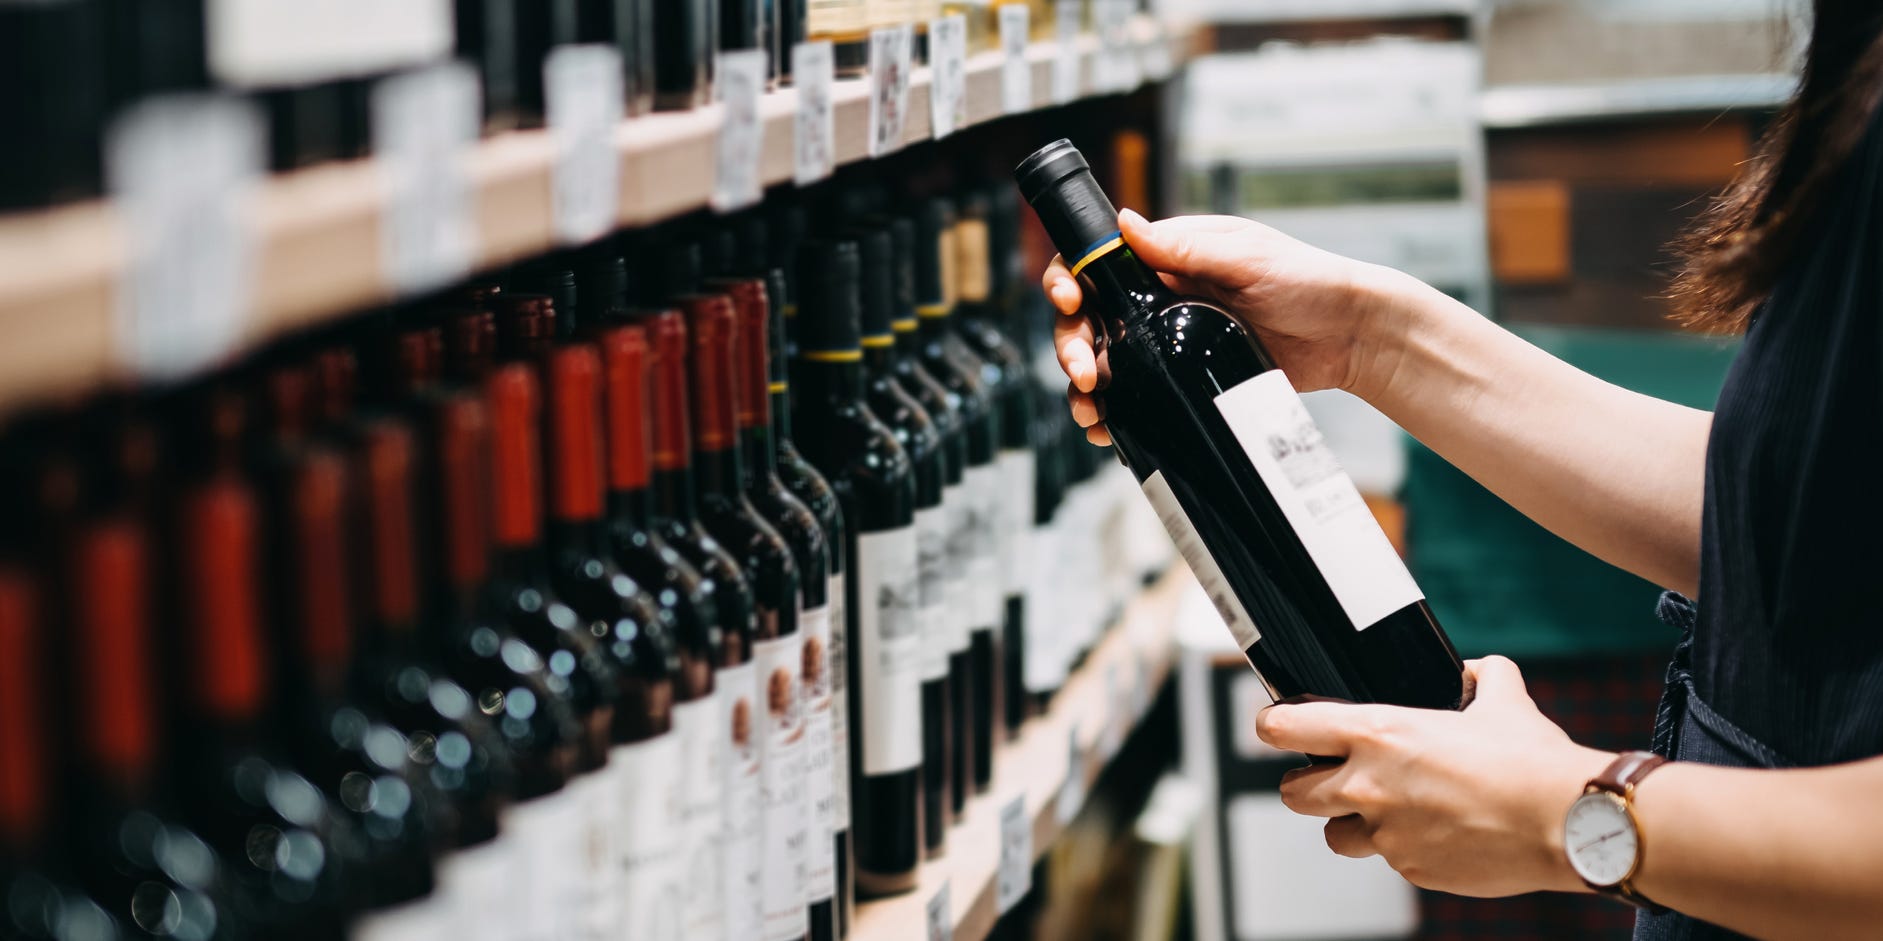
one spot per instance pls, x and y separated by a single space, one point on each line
316 232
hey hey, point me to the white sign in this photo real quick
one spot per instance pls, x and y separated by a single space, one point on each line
424 125
582 85
1013 878
180 170
741 133
1067 18
1072 790
948 70
1016 75
813 70
941 914
891 53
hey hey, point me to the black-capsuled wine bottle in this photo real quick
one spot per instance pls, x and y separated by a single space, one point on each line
921 438
809 486
1240 476
683 49
875 484
975 542
984 246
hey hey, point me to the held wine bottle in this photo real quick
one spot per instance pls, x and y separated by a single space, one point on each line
959 369
809 548
814 492
1277 534
875 484
918 435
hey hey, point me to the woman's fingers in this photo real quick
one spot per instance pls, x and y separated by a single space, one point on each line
1072 338
1331 729
1496 680
1351 836
1315 791
1098 435
1061 288
1190 246
1087 409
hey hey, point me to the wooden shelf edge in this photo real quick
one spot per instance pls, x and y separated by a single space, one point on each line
1097 706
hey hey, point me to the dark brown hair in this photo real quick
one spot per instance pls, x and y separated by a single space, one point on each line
1739 246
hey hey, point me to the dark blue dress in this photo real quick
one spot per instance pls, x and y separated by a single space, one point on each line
1781 663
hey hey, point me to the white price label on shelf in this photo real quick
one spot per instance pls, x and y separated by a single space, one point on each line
1118 61
1013 878
941 915
741 132
1140 690
1116 719
1067 18
582 91
181 170
948 74
892 52
1072 790
814 137
1016 74
1156 59
425 123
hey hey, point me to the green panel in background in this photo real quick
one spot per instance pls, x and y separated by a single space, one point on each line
1502 584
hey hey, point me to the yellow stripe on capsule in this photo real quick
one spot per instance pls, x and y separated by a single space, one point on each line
1095 253
778 387
905 325
878 341
932 310
832 356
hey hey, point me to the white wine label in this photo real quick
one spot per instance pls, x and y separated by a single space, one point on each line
1013 877
1202 564
958 506
425 919
840 634
781 772
598 795
820 762
814 136
891 60
941 915
256 43
986 582
889 651
698 725
948 70
739 754
1068 17
1321 503
582 87
181 170
742 77
544 877
649 846
479 893
931 544
1016 475
1016 74
425 124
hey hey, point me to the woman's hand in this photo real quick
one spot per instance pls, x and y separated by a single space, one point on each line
1317 312
1468 802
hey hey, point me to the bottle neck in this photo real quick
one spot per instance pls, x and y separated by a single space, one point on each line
673 493
523 563
632 508
718 473
822 382
577 538
1124 289
879 358
936 321
760 450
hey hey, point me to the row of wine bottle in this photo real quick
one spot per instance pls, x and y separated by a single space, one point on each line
68 66
681 587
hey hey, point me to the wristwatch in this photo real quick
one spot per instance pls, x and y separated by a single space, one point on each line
1601 835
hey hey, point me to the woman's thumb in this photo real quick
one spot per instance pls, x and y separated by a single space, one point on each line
1168 246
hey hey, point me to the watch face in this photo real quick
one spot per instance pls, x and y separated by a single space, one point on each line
1600 838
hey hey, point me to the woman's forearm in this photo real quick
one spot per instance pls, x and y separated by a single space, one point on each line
1617 473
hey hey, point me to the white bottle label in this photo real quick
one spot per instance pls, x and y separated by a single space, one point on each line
820 762
780 718
543 875
1208 574
424 919
1016 475
840 634
1322 505
739 757
649 848
598 801
478 889
1045 620
986 584
958 505
932 614
889 651
698 726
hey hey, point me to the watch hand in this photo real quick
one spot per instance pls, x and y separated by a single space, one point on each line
1600 839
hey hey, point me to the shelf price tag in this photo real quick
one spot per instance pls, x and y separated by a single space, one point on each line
1013 878
1072 790
1067 17
941 916
1016 74
741 132
814 136
891 59
181 170
1116 719
948 83
1156 58
425 123
582 87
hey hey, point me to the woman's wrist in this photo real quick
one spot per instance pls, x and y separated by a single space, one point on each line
1578 767
1396 311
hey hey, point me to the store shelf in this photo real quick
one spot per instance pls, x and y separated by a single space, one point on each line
1096 709
1515 106
317 231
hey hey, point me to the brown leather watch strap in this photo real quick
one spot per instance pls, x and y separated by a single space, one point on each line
1628 768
